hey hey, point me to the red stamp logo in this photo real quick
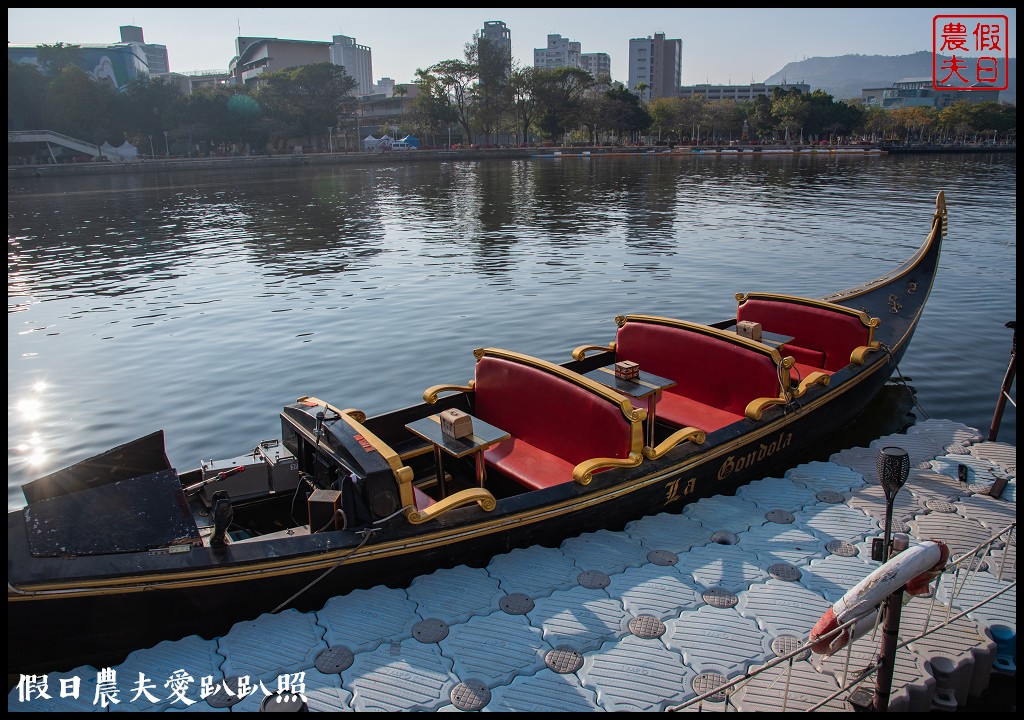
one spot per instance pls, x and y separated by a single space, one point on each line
970 52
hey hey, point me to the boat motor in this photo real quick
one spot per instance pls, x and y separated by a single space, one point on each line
196 487
223 515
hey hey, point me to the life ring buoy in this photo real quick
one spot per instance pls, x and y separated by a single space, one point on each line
912 570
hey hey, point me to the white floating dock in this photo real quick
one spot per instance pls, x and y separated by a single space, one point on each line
645 619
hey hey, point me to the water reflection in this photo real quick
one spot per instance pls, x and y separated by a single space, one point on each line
200 303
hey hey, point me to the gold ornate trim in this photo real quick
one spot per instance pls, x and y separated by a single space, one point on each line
815 378
584 472
431 393
694 435
581 352
480 496
857 357
756 407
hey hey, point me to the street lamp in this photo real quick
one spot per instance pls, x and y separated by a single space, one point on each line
167 147
330 138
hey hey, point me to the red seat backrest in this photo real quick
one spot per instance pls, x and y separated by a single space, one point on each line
834 333
550 412
707 368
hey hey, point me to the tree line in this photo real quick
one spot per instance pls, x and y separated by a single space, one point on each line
487 99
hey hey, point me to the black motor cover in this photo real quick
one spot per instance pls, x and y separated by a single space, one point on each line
343 456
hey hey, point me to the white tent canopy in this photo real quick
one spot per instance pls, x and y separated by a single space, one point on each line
125 153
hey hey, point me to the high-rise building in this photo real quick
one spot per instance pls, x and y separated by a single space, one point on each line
497 34
596 64
156 55
658 64
560 52
357 61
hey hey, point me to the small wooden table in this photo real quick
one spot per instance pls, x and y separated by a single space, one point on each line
768 338
647 386
484 436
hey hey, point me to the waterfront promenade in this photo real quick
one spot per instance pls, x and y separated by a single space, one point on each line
160 164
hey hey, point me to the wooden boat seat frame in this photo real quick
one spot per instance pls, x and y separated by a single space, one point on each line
564 427
826 337
720 377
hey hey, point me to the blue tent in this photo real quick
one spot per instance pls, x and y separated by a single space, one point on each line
415 142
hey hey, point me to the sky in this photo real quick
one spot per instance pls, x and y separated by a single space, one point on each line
721 46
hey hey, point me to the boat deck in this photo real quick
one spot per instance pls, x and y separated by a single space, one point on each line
647 619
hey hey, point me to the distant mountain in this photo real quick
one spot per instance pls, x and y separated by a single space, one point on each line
845 76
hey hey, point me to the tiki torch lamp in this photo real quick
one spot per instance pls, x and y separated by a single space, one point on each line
893 470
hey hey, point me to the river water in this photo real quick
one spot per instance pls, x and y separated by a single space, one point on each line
200 303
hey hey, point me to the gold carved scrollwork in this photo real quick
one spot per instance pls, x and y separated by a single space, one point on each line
431 393
584 472
480 496
694 435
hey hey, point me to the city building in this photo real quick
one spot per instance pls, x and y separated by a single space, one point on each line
499 36
357 61
920 92
596 64
656 62
560 52
188 82
119 63
738 92
258 55
563 52
156 55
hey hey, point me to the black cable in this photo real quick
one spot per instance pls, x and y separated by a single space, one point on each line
903 381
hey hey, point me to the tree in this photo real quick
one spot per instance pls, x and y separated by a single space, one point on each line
558 93
492 95
149 101
53 59
522 89
25 103
666 114
79 107
724 119
759 117
450 83
692 115
789 110
623 112
309 98
911 119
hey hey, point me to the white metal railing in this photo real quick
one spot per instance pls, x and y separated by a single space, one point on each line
67 141
953 567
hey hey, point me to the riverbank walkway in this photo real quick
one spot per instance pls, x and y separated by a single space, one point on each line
678 611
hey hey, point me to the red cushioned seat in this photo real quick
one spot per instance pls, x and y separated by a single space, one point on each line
684 411
807 362
528 465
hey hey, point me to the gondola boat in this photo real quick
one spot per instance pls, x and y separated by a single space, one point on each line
121 551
